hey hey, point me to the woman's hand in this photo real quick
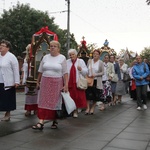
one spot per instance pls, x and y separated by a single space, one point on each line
65 89
79 68
16 85
37 85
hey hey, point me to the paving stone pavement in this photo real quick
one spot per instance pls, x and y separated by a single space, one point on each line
119 127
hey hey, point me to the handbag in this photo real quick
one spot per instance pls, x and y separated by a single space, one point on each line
115 78
126 77
90 80
69 102
82 83
62 114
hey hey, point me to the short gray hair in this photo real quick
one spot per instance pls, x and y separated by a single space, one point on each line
72 51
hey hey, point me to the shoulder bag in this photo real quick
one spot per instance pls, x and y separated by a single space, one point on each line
90 80
82 82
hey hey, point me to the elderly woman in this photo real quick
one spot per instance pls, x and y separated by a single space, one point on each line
106 79
120 88
52 79
9 79
96 70
76 67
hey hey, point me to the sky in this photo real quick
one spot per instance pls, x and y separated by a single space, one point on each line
124 23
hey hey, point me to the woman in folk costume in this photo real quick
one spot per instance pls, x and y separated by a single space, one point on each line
30 100
93 93
76 67
52 79
106 80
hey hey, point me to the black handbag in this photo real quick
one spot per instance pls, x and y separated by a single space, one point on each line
126 77
62 114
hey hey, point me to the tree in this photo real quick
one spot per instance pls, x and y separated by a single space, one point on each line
148 2
19 23
145 53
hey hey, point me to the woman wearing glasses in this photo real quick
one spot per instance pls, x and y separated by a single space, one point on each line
9 79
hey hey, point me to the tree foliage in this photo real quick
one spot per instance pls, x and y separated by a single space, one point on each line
148 2
146 53
19 23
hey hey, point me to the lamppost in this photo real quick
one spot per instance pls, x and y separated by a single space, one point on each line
68 25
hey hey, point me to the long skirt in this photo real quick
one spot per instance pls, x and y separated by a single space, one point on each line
7 98
120 88
31 101
78 96
49 98
113 87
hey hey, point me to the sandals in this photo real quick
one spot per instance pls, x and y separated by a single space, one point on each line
38 126
54 125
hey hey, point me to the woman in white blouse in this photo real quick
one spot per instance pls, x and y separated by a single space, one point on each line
52 79
93 94
9 79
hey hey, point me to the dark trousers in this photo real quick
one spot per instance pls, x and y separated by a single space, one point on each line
141 92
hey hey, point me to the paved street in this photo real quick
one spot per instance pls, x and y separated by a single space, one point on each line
119 127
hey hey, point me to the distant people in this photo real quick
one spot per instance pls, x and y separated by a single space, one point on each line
132 86
84 57
52 79
121 83
106 79
9 79
93 93
118 76
140 72
76 67
30 100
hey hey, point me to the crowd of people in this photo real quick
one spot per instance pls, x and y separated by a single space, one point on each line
57 74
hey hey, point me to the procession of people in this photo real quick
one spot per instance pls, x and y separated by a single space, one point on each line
57 74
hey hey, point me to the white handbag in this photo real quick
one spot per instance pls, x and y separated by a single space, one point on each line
69 102
115 78
82 83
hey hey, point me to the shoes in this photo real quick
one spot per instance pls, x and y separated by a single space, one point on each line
38 126
144 107
75 115
35 112
139 108
6 118
86 113
27 114
54 125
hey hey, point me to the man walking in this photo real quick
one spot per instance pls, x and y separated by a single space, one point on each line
140 72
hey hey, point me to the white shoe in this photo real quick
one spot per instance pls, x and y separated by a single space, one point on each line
144 107
138 108
75 115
